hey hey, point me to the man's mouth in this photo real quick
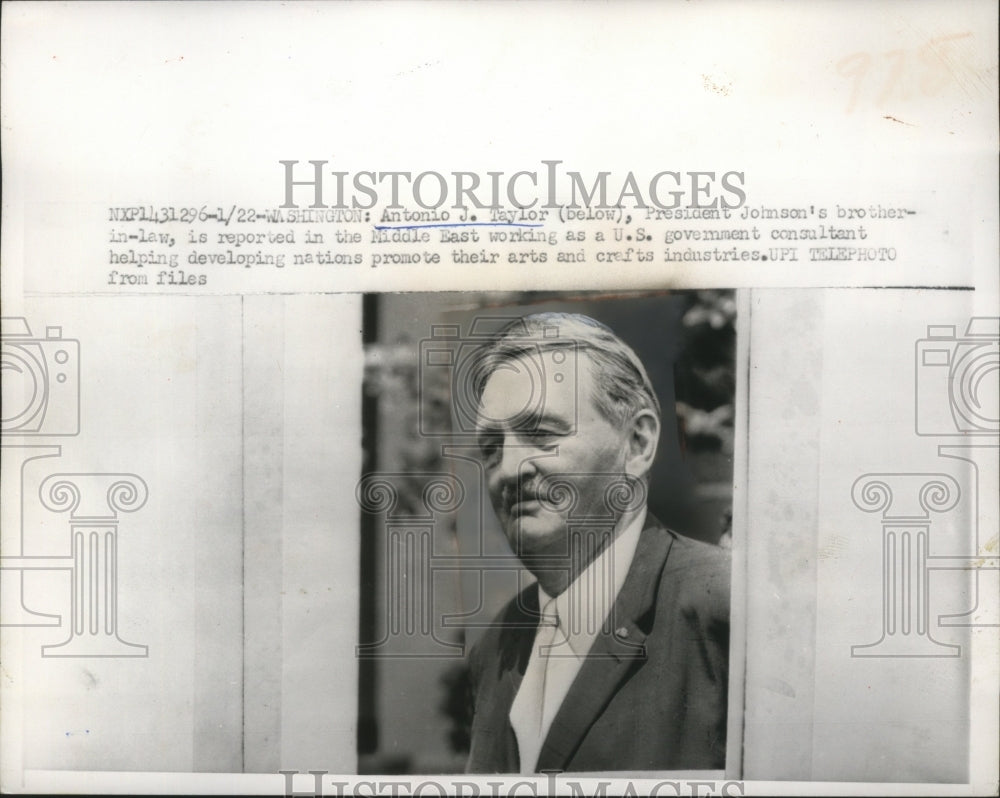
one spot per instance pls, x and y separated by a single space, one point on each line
524 505
522 502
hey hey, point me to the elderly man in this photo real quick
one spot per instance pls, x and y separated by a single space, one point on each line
616 658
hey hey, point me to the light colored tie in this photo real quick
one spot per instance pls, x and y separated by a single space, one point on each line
527 711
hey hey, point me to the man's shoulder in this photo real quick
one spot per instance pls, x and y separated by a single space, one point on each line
696 577
514 616
690 555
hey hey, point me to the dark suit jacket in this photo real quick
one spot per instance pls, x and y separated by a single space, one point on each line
650 697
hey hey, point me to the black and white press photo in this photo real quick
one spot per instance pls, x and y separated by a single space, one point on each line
499 399
520 456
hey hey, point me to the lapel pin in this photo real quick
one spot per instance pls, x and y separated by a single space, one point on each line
621 631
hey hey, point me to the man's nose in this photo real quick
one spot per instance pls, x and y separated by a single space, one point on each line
513 466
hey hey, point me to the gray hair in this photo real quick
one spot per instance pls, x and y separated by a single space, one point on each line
621 384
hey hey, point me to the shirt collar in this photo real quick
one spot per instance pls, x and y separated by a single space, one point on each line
584 606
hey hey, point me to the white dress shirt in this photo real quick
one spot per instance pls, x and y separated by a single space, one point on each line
569 625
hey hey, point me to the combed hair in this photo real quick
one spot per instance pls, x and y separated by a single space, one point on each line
621 384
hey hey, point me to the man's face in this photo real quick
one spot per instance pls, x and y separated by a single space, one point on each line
567 436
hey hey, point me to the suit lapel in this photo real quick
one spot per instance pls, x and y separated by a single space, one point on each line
517 634
613 656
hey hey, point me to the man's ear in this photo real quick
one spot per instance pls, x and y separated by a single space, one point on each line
643 438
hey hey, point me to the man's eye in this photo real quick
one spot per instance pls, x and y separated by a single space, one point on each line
541 437
489 445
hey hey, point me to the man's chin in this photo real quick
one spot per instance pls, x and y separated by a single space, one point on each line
534 535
